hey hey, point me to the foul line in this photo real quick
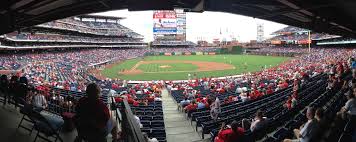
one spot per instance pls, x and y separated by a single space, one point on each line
136 65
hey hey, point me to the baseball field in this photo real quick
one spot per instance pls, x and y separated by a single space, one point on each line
178 67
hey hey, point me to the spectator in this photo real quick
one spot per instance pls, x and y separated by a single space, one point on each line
215 109
322 124
14 89
291 102
39 101
305 133
93 118
191 107
149 139
349 110
244 97
201 105
230 133
259 122
184 102
4 88
137 119
22 90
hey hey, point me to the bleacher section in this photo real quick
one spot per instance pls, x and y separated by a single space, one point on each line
311 94
74 32
151 117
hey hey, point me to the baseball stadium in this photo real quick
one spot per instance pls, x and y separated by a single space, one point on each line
178 71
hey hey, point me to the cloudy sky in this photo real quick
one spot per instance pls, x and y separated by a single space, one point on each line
204 25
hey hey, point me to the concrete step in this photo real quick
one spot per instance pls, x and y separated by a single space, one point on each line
187 137
179 130
168 112
177 124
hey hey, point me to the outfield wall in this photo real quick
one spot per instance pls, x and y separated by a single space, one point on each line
179 53
180 81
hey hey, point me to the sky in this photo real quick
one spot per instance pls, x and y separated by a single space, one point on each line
206 25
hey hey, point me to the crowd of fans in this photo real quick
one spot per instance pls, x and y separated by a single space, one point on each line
249 87
68 38
99 28
291 33
72 32
283 50
68 69
290 29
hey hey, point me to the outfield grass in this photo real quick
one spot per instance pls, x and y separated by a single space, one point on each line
254 63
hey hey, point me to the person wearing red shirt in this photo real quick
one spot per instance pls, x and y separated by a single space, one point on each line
269 91
285 84
253 96
191 107
130 100
118 99
92 119
222 90
207 105
231 133
257 93
288 103
135 103
150 99
198 99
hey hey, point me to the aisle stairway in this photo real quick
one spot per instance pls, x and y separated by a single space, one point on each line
178 128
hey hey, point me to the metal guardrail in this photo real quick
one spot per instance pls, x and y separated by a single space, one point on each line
131 131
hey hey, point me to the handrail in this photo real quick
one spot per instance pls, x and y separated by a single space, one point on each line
130 129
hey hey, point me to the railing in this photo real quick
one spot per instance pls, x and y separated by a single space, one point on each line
131 132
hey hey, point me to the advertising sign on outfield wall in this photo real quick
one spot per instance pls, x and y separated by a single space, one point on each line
211 53
187 53
199 53
168 54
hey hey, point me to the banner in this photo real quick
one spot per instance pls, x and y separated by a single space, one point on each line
164 14
199 53
165 30
165 23
211 53
303 41
178 53
168 54
187 53
276 42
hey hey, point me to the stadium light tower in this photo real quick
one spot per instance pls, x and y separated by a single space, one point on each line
260 32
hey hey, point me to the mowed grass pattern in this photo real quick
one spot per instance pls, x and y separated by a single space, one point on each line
170 67
254 63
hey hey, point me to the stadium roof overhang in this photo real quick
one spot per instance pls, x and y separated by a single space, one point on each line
330 16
